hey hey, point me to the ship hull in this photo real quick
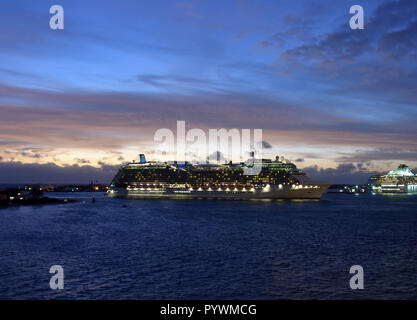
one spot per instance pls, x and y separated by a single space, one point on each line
173 193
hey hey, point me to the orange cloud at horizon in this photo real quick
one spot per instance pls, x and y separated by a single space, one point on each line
94 128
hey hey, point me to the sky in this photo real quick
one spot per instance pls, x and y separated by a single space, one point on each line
76 103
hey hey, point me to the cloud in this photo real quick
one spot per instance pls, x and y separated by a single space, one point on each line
380 155
266 145
20 173
358 61
107 167
342 88
82 161
346 173
340 46
126 109
299 160
19 74
392 24
217 155
30 155
264 44
172 81
401 43
97 121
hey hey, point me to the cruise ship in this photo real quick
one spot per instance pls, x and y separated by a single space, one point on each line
400 180
278 179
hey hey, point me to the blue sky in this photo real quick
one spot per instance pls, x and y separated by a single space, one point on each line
94 93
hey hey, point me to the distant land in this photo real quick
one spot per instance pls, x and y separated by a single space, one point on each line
17 173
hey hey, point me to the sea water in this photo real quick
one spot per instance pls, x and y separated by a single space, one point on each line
211 249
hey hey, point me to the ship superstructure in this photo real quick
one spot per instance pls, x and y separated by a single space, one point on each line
400 180
279 179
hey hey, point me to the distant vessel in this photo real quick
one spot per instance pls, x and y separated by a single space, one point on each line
277 179
400 180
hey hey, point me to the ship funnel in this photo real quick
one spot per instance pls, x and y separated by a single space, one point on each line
142 158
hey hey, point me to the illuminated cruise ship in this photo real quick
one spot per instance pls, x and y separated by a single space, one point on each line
400 180
277 179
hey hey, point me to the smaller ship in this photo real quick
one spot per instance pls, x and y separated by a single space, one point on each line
400 180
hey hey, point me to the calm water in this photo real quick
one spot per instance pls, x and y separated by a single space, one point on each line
197 249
